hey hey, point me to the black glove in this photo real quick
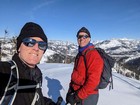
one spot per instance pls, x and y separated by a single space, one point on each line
52 103
48 101
72 98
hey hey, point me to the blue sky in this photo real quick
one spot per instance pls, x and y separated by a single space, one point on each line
61 19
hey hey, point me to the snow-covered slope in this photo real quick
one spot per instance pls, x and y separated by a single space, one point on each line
56 78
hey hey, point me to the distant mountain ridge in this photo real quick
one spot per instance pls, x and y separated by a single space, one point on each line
116 47
125 51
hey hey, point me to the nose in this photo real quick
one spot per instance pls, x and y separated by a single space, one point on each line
35 47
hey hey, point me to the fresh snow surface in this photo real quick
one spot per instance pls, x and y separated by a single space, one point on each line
56 78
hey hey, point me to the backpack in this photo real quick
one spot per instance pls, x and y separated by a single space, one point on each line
12 87
106 76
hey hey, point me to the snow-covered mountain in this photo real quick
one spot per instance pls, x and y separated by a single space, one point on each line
123 47
125 51
117 48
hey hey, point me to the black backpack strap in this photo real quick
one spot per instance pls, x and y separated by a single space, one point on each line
11 88
111 83
77 59
84 55
13 85
36 96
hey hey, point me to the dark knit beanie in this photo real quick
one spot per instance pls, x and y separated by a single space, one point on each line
83 29
31 29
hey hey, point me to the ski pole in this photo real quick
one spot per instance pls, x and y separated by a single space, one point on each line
59 100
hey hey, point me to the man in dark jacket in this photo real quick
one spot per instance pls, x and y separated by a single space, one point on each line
31 45
84 80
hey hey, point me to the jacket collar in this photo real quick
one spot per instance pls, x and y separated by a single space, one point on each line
81 49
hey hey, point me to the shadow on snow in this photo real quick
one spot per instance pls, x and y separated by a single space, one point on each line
54 87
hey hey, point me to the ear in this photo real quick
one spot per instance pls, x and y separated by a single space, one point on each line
19 50
89 39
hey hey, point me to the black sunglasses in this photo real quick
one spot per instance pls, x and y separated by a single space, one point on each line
29 42
82 36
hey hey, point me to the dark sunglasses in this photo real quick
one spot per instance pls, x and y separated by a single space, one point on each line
29 42
82 36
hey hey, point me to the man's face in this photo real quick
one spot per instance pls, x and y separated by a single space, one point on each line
83 39
31 55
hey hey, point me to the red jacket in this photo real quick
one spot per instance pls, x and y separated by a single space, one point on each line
85 81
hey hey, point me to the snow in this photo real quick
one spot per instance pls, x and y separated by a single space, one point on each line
47 53
56 78
111 43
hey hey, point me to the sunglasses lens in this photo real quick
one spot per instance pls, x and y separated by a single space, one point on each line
79 37
42 45
82 36
31 42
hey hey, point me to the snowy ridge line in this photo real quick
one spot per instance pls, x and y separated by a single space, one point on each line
133 57
126 82
54 66
58 68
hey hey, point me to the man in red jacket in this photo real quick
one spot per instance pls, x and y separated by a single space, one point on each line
84 80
